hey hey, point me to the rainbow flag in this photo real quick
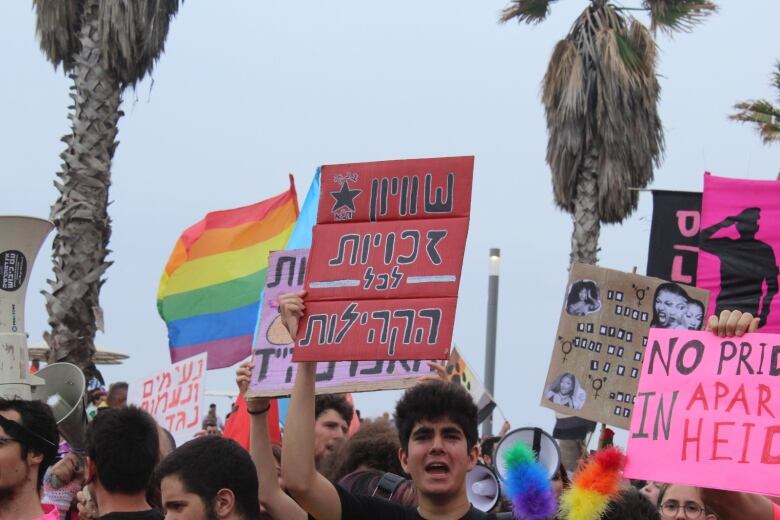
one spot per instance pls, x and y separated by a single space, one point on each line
209 293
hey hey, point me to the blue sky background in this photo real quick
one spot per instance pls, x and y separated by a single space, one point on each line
249 91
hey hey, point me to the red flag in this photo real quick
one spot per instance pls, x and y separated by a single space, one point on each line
237 426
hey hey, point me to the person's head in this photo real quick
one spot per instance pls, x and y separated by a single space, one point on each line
117 395
437 429
566 384
651 490
681 502
486 449
209 478
630 504
694 315
582 291
210 425
213 409
28 445
332 413
747 222
671 302
374 446
123 446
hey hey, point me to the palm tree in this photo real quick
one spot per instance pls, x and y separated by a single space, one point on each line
600 95
762 113
104 47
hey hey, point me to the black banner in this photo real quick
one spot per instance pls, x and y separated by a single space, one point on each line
674 236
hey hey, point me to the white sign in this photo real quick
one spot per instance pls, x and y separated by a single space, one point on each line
174 397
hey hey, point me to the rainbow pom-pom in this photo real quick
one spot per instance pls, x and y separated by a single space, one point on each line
527 484
594 486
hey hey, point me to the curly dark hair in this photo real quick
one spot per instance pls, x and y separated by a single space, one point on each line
335 402
125 446
374 446
630 504
39 424
434 400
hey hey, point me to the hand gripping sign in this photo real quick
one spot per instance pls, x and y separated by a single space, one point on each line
386 260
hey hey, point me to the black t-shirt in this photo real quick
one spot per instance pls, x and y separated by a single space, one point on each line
151 514
359 507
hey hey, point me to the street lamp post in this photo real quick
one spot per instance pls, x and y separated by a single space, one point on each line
490 336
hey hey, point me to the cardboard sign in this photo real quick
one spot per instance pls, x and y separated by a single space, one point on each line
740 246
274 371
174 397
386 260
708 412
673 251
602 337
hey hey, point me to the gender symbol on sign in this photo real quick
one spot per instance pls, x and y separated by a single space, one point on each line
640 292
564 346
596 383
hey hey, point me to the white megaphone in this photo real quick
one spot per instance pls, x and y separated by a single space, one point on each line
20 240
543 445
64 391
482 488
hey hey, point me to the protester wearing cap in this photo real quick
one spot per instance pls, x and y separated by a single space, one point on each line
28 446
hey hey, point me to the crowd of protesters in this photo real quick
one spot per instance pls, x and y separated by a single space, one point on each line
413 465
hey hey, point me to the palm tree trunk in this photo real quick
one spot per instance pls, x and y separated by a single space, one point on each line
80 214
587 227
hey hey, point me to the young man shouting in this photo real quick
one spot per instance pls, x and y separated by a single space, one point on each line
437 426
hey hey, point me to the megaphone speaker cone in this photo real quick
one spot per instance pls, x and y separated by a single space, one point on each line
546 448
65 393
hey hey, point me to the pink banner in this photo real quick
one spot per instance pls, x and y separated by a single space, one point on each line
707 412
739 247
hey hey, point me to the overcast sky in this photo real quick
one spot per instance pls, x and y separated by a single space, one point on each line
249 91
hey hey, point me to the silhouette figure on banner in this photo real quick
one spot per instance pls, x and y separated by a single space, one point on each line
748 268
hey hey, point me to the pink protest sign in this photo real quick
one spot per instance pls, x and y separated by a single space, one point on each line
174 397
274 371
708 412
739 247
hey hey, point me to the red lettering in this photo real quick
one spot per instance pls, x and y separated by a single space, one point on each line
721 391
698 395
764 395
687 440
766 456
746 442
739 397
716 439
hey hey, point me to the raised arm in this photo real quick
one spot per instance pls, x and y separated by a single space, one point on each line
311 490
272 497
706 233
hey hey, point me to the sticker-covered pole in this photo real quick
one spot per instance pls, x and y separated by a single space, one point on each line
490 335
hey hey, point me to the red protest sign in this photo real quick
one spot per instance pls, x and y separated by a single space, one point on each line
395 190
386 258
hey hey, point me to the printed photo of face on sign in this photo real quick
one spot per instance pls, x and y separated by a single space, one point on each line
583 298
674 309
565 390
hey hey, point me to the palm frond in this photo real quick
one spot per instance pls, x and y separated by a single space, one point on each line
763 114
57 25
528 11
133 35
678 15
